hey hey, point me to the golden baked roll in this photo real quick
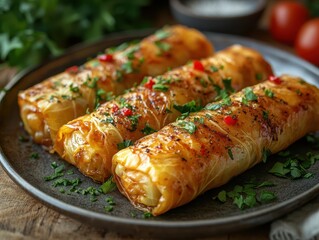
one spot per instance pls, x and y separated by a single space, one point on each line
45 107
188 157
89 142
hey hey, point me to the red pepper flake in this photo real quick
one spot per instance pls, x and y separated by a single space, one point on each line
203 151
127 112
275 80
106 58
149 84
115 108
197 65
230 120
72 70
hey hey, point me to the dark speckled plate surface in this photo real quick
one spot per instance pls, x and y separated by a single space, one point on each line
202 217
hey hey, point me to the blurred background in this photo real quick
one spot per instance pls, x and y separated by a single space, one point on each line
31 31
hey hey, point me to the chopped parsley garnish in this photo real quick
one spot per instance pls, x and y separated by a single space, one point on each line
227 85
160 87
269 93
199 120
91 82
124 104
259 76
130 52
127 67
160 84
224 93
162 34
248 195
134 121
34 155
124 144
226 101
58 172
295 166
162 46
213 106
249 95
66 97
66 182
147 215
265 115
148 129
108 119
121 47
214 69
102 96
74 89
109 208
187 108
188 126
265 154
230 154
108 186
110 204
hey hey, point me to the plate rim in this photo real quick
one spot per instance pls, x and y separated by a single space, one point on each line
268 213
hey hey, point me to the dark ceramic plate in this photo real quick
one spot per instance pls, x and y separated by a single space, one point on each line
202 217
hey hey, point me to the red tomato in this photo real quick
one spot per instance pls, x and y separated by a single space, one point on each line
286 19
307 41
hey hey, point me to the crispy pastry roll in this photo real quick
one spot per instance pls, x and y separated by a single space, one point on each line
89 142
188 157
45 107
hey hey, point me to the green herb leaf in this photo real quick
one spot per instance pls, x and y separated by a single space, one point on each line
279 170
130 52
134 121
74 89
227 85
249 94
147 215
162 46
269 93
222 196
188 126
34 155
127 67
124 144
266 197
265 154
187 108
284 153
214 69
248 194
230 154
148 129
109 208
108 186
162 34
239 201
259 76
265 115
160 87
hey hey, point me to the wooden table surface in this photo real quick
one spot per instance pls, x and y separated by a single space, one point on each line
22 217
